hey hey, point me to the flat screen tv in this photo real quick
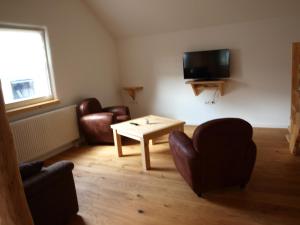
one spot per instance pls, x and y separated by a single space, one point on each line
206 65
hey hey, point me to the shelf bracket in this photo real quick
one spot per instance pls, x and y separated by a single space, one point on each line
131 91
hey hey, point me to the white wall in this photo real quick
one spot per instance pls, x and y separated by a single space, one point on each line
83 52
259 88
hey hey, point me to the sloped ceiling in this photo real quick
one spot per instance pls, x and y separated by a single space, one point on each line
129 18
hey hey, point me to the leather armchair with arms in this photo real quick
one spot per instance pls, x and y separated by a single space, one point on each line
94 121
221 153
50 192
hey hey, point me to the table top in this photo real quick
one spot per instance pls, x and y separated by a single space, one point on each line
146 125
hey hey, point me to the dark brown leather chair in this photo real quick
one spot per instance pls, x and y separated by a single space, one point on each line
94 121
221 153
50 192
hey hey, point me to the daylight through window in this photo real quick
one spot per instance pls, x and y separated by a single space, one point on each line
24 66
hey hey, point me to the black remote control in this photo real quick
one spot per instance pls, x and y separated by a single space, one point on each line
136 124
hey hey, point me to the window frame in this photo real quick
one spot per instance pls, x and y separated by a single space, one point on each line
15 106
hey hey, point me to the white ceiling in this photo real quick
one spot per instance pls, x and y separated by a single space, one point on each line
128 18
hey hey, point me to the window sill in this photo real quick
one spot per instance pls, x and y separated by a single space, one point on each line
13 112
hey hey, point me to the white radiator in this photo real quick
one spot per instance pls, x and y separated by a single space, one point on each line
38 136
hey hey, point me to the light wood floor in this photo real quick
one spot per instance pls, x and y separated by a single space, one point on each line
115 191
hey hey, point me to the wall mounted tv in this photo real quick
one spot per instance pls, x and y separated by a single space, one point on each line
207 65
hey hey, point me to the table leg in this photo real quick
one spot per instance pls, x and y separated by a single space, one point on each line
145 154
118 143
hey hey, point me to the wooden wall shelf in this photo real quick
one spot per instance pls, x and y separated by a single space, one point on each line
132 90
199 86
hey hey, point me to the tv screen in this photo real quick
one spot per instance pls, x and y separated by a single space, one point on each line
206 65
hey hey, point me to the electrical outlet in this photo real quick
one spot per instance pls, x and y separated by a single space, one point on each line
210 102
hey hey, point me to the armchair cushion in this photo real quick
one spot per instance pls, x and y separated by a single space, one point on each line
29 169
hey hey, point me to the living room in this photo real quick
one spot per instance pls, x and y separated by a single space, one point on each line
99 47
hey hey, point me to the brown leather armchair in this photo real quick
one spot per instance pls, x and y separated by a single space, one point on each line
94 121
50 192
221 153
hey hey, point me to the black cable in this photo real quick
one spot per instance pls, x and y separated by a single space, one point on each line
215 95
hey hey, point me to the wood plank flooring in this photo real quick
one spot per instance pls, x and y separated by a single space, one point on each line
116 191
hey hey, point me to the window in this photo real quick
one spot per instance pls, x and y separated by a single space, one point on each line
25 68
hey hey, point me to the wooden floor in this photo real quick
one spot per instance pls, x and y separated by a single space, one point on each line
115 191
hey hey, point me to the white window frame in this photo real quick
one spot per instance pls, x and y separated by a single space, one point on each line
34 101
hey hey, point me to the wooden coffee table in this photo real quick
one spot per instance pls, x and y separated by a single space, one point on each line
144 129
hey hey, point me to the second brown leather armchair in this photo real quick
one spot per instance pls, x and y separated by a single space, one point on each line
221 153
94 121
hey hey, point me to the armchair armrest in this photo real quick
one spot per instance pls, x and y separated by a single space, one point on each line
103 116
186 159
181 145
98 119
117 110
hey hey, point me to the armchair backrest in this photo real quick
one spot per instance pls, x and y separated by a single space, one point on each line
219 133
89 106
223 147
